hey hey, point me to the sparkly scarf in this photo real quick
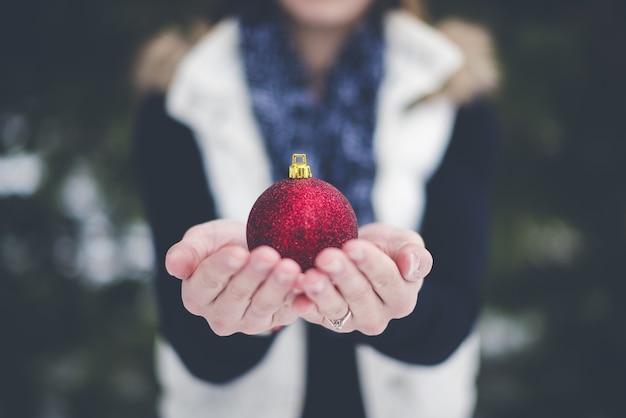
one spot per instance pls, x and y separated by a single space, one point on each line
335 131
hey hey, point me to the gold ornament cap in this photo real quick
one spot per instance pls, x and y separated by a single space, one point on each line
299 169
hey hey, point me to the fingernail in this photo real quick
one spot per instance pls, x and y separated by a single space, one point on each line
414 271
357 254
261 265
234 262
317 287
284 278
334 266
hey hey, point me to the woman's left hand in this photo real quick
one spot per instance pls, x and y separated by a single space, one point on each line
368 282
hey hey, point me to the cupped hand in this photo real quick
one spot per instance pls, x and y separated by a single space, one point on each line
233 289
376 277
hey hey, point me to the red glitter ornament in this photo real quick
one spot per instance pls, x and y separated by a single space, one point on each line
300 216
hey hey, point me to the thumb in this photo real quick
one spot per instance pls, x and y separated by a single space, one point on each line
200 242
181 261
414 262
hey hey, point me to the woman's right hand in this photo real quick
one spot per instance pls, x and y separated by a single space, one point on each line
233 289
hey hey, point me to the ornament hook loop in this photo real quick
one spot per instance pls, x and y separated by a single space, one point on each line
299 169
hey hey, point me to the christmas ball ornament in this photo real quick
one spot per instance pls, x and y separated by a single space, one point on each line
301 215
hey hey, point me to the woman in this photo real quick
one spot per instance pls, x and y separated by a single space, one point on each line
390 111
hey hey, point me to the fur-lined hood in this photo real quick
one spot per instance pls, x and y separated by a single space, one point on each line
158 59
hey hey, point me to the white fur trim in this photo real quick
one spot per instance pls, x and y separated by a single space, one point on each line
419 59
479 74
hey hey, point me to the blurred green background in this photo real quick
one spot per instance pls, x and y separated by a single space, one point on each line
76 310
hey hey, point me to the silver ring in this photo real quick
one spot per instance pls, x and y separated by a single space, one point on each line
337 324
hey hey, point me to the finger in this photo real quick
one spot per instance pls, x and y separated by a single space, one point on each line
379 269
199 242
237 295
211 277
397 295
274 292
366 305
405 247
330 303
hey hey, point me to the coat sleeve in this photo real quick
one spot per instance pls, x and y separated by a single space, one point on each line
455 229
176 196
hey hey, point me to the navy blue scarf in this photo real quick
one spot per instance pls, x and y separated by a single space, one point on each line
336 130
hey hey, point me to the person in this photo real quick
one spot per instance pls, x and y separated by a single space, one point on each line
389 109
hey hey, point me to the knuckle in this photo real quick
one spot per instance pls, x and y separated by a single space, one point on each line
359 295
403 307
283 317
238 294
221 327
262 309
403 311
209 282
383 281
374 329
192 305
193 230
337 311
254 329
